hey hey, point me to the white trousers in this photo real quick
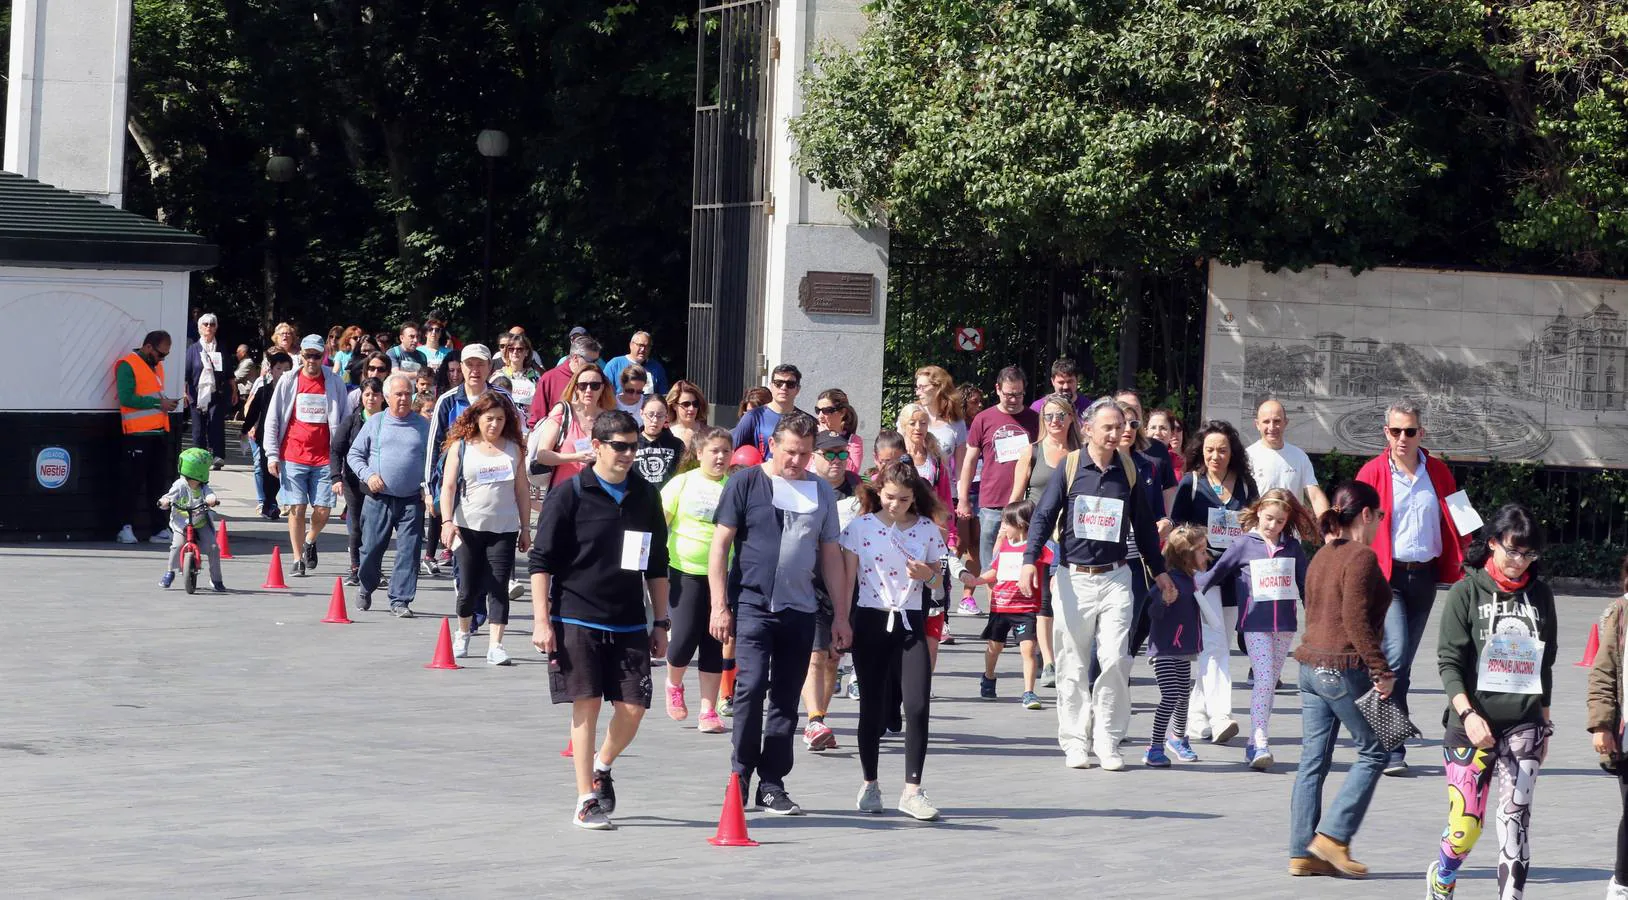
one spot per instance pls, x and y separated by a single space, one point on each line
1210 705
1087 609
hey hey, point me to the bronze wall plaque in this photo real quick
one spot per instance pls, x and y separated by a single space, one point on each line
838 293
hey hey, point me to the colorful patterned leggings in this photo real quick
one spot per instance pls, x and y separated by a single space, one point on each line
1267 651
1515 759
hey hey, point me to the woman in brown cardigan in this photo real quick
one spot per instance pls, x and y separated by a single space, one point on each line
1340 659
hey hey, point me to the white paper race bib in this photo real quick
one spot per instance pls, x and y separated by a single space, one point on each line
1510 664
214 360
1098 518
1465 518
311 409
635 550
522 389
1273 579
1008 567
494 472
583 445
700 499
795 496
1224 527
1009 448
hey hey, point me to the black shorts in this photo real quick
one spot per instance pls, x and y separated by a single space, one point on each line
590 662
1019 626
823 616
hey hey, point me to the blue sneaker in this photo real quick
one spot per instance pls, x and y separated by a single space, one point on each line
986 687
1181 750
167 580
1031 700
1155 758
1257 758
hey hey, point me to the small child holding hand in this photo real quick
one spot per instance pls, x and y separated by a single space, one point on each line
1174 641
1011 615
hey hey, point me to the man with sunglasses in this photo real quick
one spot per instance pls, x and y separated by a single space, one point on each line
638 354
1418 545
758 425
601 543
145 461
307 407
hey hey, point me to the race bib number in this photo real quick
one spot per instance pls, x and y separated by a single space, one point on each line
1224 527
1273 579
635 550
1098 518
1008 567
214 359
1510 664
700 500
1008 449
583 445
494 472
312 409
794 496
522 389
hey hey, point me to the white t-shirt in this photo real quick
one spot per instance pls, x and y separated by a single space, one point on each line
882 550
1289 468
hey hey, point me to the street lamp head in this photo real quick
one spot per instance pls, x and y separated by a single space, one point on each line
280 169
492 143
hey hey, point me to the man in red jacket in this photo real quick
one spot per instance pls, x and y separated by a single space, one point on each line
1419 548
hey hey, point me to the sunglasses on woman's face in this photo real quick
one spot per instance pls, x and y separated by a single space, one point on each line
1056 417
688 404
378 368
590 385
828 410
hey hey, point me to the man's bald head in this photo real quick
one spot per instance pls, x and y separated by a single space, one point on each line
1271 421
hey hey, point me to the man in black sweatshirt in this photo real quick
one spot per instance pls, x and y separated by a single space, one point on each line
601 541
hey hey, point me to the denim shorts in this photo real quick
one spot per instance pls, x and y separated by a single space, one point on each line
302 485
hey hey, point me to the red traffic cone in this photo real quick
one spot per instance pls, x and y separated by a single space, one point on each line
274 576
732 821
567 751
223 545
1592 648
336 606
443 650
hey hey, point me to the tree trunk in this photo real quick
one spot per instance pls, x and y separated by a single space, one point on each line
1130 324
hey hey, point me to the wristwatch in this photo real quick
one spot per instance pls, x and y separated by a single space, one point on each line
663 623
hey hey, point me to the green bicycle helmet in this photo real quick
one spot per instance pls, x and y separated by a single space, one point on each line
196 463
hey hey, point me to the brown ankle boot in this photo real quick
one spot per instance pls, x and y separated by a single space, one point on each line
1310 865
1337 855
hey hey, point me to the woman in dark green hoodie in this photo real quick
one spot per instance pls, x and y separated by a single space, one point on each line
1496 655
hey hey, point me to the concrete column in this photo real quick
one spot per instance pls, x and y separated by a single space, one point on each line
807 232
65 104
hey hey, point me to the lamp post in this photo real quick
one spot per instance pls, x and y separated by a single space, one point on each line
279 171
492 144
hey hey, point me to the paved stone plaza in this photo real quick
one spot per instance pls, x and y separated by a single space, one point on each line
157 744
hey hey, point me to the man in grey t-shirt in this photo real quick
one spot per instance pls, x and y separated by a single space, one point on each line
780 522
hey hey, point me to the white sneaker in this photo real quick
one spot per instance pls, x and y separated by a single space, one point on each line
1614 891
1077 759
160 537
126 535
517 589
497 656
1113 762
460 645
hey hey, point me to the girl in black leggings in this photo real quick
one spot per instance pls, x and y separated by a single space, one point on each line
893 549
689 501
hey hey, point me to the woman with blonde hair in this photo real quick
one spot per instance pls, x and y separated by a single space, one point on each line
932 459
1059 435
688 404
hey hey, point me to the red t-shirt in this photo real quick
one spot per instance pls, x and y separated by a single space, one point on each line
1001 439
307 440
1005 596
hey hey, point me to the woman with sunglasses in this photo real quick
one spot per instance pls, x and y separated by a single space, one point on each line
522 375
362 367
688 406
1164 428
565 436
835 413
435 345
1496 653
1059 436
629 383
345 351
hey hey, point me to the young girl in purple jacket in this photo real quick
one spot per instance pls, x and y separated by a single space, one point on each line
1264 572
1174 639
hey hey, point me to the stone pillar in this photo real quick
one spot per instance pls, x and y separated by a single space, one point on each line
65 105
808 233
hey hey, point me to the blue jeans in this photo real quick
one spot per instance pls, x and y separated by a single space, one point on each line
1328 699
253 449
989 528
1413 592
382 515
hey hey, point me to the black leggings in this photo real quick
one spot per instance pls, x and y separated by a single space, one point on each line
902 653
690 608
485 562
353 524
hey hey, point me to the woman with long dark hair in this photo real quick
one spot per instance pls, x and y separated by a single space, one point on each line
1340 660
689 501
372 401
834 413
1496 655
485 507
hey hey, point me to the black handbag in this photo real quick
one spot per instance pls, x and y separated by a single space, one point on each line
1384 715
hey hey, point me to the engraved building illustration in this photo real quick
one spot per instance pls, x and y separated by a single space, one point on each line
1579 363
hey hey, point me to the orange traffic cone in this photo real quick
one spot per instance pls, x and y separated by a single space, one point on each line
443 650
223 545
732 821
567 750
1592 648
336 606
274 577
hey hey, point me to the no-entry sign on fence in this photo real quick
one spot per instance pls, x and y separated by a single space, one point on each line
969 338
